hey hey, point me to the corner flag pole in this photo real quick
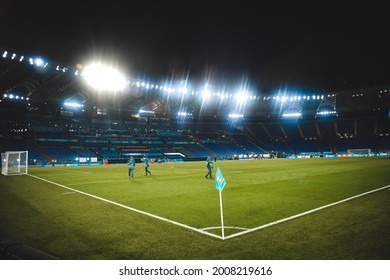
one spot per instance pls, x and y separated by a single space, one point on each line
219 183
220 206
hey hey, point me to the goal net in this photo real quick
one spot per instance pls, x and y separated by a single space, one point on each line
14 162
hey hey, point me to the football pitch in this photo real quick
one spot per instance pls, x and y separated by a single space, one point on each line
318 208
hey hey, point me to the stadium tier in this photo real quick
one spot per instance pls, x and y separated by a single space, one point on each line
166 139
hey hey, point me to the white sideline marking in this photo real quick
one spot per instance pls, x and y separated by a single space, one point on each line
132 209
304 213
202 231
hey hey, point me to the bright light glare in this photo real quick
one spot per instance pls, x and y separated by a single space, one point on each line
324 113
102 77
206 94
73 104
235 116
241 97
38 62
292 115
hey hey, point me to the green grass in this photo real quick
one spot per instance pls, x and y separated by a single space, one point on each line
72 225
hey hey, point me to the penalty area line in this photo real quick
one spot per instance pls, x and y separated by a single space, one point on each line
304 213
130 208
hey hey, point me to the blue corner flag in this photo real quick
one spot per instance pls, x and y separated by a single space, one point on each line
220 181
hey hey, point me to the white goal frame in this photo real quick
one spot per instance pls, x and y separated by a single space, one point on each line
359 152
14 163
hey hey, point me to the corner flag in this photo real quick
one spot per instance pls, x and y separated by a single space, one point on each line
219 180
219 183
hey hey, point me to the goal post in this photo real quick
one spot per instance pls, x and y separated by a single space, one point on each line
359 152
14 162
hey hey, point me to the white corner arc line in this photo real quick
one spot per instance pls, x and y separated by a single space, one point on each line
219 227
304 213
130 208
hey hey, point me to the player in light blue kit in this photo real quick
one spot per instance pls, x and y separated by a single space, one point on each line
131 167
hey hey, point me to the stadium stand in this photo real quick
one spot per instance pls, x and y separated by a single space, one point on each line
34 118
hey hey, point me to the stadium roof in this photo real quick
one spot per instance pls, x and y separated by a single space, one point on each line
39 84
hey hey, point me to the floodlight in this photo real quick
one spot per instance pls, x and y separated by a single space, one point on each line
292 115
206 94
183 114
73 104
235 116
102 77
241 97
183 90
38 62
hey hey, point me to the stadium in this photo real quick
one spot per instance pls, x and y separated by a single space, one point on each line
307 173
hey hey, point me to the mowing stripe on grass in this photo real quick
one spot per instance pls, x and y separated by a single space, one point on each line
304 213
97 182
60 174
68 192
130 208
69 170
143 178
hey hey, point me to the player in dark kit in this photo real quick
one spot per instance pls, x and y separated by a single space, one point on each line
209 165
146 165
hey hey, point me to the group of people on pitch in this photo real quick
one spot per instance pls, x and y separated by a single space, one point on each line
131 167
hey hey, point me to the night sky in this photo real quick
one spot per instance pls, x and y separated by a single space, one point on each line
321 47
